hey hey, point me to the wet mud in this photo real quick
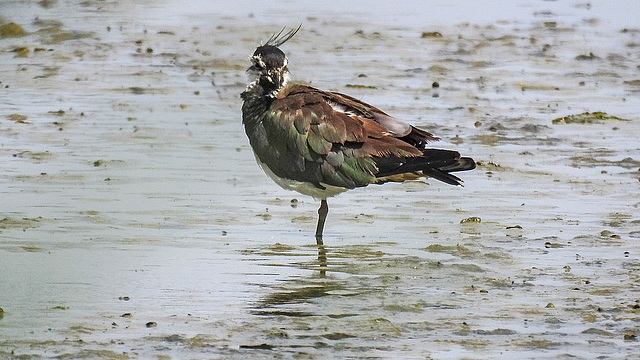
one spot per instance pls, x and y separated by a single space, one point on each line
135 224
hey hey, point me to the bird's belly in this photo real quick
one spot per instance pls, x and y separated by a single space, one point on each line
301 186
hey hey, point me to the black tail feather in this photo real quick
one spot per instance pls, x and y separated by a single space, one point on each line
435 163
443 176
462 164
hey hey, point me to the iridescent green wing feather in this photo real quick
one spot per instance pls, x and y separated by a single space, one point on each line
326 146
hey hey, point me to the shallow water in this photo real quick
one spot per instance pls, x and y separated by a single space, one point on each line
135 223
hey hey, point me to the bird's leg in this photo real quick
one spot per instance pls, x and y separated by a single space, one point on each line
323 210
322 252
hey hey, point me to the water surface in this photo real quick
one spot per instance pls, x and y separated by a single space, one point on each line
135 223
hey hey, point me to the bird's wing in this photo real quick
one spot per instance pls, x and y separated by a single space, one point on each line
436 163
311 140
333 139
397 128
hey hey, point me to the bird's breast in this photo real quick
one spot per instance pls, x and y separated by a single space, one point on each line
305 188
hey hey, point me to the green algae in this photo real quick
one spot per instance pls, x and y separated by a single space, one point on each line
11 30
596 117
18 118
588 161
23 223
360 86
431 34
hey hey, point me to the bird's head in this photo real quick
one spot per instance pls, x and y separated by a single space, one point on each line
269 64
269 67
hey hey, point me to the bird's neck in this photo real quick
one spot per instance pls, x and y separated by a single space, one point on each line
260 93
267 85
271 85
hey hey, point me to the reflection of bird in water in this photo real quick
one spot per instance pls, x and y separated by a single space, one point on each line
322 143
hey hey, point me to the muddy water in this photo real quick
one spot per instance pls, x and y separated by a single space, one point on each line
134 222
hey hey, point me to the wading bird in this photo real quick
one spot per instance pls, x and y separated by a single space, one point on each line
321 143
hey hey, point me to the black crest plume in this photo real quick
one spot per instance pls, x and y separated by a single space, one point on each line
280 38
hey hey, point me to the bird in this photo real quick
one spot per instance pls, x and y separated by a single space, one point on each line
322 143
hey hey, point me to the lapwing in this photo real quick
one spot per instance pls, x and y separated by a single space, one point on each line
321 143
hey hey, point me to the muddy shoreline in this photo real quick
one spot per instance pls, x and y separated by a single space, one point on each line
136 224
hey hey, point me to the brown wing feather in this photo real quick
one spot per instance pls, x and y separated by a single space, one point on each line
351 105
339 127
339 140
